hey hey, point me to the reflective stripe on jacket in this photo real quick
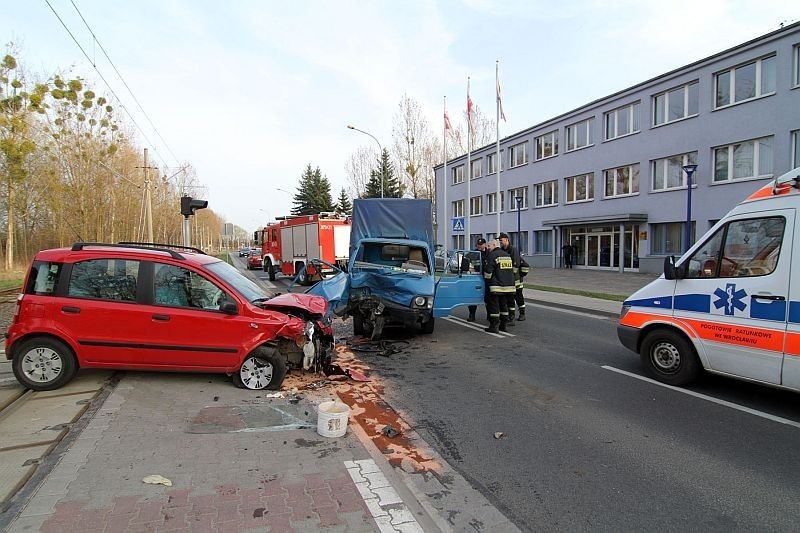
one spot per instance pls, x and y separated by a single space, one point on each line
500 272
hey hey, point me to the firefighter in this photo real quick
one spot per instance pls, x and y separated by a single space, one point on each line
521 269
500 276
480 244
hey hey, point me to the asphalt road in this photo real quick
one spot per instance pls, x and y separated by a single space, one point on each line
588 448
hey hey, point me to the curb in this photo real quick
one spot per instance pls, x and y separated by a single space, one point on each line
570 307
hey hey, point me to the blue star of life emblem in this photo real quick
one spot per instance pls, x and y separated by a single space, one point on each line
730 299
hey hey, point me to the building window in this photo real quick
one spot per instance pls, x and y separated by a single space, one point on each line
458 242
519 241
546 193
622 181
747 159
513 194
580 188
668 172
796 61
458 208
544 241
667 238
676 104
622 121
490 164
745 82
796 148
476 168
458 174
475 206
580 135
490 203
518 154
547 145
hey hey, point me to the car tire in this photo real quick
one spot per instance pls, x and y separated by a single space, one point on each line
44 363
263 369
669 358
427 327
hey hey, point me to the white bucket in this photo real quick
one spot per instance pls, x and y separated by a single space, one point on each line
332 418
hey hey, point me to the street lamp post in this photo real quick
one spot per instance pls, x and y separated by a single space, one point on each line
519 225
380 152
689 169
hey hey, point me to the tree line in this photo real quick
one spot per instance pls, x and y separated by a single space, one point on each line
70 171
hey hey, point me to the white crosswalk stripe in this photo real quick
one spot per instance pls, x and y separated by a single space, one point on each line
476 327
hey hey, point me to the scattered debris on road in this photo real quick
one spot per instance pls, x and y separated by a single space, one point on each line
389 431
155 479
498 435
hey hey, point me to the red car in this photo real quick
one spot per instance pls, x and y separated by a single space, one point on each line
254 260
148 307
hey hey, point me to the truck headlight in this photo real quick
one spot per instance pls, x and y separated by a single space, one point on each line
422 302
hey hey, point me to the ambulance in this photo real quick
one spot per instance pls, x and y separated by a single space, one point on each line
729 305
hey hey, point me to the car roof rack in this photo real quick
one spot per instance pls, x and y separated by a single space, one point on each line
165 246
78 246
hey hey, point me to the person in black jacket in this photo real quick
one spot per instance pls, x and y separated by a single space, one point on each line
480 245
521 269
499 274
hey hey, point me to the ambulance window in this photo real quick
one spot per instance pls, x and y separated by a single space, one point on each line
703 264
752 247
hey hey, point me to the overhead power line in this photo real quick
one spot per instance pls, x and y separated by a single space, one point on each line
149 142
124 82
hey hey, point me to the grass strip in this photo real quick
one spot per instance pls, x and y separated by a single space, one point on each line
8 283
578 292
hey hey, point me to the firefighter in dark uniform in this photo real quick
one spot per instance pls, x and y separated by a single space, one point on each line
500 275
480 244
521 269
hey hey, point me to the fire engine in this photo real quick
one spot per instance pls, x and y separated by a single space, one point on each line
291 241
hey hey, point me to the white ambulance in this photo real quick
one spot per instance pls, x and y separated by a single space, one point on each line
729 305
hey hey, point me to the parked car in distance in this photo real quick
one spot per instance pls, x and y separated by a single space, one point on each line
244 252
147 307
254 260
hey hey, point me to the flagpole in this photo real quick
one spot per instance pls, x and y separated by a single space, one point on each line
468 203
497 159
444 189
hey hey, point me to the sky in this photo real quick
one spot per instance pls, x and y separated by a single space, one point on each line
250 92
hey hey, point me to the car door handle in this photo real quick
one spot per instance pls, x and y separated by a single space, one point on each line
161 318
71 310
768 297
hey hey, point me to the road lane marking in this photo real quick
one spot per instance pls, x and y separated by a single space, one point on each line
476 327
386 506
708 398
570 311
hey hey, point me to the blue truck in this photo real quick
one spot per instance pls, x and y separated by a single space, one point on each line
392 279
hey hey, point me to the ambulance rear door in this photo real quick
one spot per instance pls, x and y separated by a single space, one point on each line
734 295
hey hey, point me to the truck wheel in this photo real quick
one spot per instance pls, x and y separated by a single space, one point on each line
271 272
358 324
427 327
667 357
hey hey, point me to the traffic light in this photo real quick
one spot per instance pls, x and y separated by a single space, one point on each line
189 205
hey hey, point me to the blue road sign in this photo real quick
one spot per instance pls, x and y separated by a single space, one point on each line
458 224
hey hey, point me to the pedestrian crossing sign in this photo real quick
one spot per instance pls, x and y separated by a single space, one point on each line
458 224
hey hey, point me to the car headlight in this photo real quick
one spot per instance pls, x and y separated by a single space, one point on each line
624 311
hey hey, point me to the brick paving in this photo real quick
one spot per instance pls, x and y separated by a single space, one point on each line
238 476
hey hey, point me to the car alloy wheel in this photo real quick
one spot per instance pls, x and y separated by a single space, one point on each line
255 373
42 364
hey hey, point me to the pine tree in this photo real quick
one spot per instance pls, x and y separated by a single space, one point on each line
344 205
392 188
313 194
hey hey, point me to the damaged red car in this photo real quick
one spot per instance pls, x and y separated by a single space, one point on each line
140 306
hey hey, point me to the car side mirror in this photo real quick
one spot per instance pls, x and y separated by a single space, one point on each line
229 307
674 272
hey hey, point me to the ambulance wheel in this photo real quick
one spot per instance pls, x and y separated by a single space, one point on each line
669 358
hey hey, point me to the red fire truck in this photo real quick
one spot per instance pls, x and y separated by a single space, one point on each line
291 241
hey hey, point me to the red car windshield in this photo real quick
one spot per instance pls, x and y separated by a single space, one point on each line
235 279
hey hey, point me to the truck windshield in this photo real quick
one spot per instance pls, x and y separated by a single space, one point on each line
235 279
391 257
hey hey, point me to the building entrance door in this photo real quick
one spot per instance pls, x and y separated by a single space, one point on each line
599 248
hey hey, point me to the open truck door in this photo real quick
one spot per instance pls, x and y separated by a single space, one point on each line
460 282
334 287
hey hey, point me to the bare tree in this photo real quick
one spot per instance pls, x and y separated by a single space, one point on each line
484 132
358 169
412 138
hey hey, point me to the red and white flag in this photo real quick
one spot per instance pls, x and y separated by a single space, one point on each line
447 125
499 100
470 109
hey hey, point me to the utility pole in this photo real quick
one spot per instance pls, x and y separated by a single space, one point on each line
148 199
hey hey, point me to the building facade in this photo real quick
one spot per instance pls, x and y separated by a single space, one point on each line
607 178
